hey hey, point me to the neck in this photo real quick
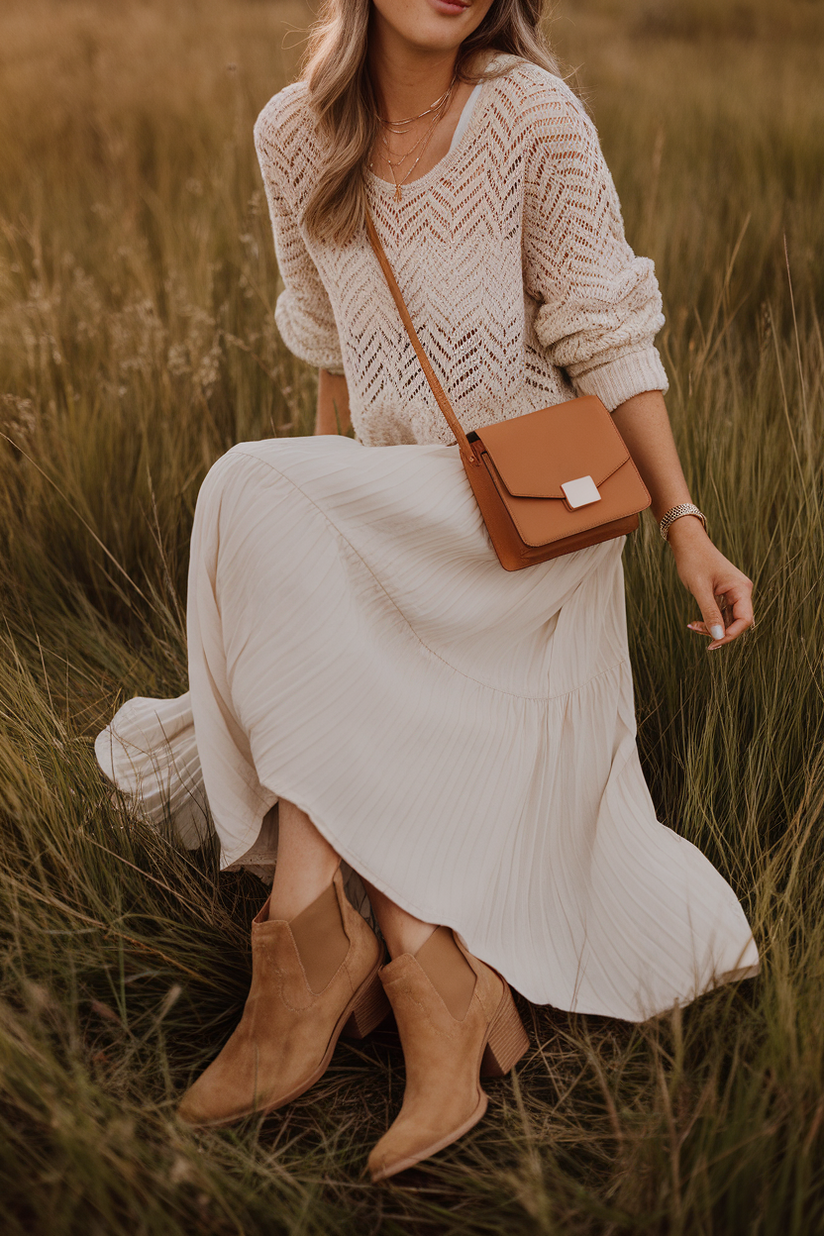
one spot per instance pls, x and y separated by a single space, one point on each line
407 79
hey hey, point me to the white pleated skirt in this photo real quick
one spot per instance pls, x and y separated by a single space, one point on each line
462 735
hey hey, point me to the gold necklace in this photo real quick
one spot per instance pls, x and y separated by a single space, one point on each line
400 183
408 153
438 111
395 125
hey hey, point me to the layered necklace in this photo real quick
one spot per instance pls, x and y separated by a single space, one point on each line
401 128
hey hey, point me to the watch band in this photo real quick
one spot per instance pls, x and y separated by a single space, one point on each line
676 512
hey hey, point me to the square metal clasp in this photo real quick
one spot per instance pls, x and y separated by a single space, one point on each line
581 492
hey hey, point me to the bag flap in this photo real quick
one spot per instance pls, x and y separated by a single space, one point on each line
536 453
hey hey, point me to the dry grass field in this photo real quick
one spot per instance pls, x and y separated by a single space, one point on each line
137 284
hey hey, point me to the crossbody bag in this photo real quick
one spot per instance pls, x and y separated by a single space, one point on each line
548 482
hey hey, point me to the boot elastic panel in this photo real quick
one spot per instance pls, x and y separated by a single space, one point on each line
320 939
448 971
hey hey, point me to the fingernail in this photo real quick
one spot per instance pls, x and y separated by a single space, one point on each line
717 632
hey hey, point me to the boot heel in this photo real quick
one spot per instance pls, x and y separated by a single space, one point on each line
371 1008
507 1040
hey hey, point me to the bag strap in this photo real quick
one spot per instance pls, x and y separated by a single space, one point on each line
464 445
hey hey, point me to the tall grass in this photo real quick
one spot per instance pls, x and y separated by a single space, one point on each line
137 283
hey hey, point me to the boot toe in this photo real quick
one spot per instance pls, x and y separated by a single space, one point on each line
410 1140
201 1107
193 1111
391 1155
219 1096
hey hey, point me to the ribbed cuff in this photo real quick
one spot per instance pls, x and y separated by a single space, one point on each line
321 352
620 379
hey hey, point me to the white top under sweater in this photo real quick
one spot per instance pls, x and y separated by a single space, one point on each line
510 254
465 117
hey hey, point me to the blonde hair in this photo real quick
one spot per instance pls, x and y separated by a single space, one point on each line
343 99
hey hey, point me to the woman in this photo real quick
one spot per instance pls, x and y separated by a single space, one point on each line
462 736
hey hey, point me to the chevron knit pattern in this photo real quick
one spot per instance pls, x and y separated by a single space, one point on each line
510 254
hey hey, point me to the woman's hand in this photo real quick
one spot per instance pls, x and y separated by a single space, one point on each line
722 591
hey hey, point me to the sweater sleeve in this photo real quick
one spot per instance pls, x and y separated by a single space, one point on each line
303 312
599 307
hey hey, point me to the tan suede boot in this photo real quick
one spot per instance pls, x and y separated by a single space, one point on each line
444 1057
288 1031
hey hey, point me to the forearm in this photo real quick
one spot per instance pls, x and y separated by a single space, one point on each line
333 403
645 427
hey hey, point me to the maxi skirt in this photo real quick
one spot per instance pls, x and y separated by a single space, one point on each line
462 735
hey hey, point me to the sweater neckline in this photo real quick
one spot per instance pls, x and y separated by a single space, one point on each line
387 189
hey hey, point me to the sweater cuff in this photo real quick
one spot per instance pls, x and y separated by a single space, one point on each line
311 340
620 379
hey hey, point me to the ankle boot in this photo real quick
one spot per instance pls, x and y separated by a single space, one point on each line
444 1055
288 1031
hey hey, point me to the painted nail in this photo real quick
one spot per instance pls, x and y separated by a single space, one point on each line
717 632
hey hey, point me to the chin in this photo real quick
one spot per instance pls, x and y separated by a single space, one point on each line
437 25
439 35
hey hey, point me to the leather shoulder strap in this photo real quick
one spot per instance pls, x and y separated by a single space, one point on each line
437 390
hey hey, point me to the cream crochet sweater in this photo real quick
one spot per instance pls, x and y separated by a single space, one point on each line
510 254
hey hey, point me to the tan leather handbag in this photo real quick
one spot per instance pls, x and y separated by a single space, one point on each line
547 483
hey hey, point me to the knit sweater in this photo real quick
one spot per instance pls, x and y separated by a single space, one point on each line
510 254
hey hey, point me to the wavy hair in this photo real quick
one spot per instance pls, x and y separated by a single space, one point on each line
342 97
